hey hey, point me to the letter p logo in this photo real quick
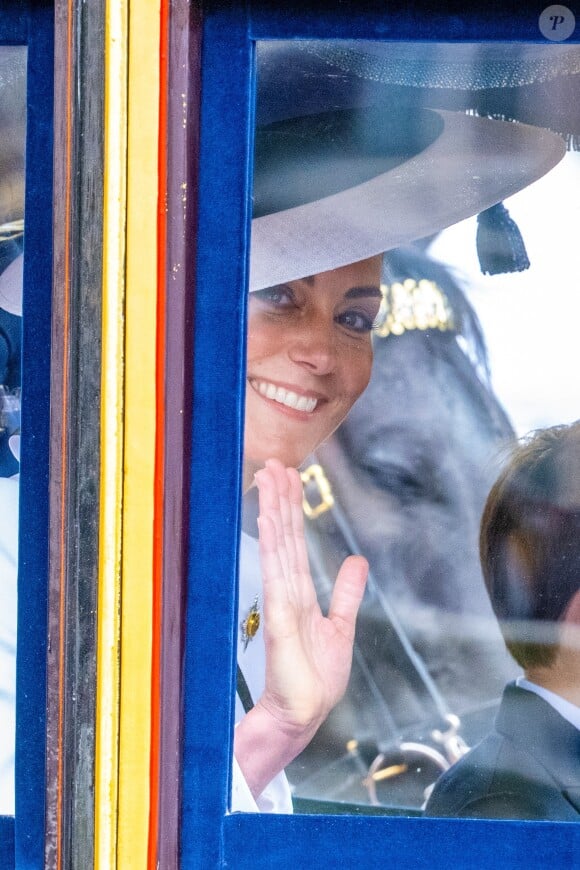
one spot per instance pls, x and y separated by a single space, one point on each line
557 23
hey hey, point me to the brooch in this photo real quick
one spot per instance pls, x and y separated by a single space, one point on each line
251 624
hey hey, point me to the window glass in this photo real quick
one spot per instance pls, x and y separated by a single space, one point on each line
12 126
457 165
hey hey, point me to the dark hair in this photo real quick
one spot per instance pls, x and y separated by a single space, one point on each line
530 541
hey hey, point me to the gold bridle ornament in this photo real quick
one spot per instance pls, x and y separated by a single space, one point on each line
411 304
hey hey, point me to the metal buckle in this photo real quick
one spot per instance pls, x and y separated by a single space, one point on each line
452 742
315 475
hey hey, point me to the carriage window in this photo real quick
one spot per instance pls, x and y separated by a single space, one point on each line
12 125
412 313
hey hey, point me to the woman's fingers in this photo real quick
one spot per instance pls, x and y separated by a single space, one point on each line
280 492
307 655
276 554
280 612
284 554
347 594
303 575
281 479
269 501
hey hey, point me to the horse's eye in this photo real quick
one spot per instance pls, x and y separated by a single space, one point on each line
400 481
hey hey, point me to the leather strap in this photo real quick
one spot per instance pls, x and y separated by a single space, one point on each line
243 691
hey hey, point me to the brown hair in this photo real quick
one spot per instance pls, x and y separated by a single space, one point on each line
530 540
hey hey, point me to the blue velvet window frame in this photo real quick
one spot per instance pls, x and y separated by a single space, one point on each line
21 839
211 837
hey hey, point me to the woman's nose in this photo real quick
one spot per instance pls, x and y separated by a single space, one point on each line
314 346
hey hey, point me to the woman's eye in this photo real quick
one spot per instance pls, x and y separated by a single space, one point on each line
357 321
276 296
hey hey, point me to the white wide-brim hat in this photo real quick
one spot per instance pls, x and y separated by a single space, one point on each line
335 187
472 164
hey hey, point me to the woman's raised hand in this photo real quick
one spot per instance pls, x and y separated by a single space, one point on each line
308 655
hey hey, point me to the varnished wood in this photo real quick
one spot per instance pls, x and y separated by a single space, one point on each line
75 392
181 226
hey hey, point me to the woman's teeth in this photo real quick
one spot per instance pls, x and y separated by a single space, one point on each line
285 397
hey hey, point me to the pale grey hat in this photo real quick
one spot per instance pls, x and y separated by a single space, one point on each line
340 186
355 155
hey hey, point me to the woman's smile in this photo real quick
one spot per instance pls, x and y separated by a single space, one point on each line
288 399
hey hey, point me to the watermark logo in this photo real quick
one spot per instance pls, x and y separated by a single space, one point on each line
557 23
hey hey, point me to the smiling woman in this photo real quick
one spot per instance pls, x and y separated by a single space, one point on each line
309 359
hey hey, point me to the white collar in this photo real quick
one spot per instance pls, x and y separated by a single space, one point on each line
567 710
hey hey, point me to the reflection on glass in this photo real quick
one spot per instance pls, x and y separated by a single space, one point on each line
12 140
456 163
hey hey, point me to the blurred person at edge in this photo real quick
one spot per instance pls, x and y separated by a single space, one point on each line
529 766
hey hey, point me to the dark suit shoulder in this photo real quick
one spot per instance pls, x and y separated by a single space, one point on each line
467 781
499 779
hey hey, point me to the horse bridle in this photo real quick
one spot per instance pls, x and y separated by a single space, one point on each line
325 516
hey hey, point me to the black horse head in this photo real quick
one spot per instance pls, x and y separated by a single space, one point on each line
410 469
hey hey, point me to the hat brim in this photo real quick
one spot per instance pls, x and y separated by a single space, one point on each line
473 164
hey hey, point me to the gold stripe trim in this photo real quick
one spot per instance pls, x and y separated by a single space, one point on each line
140 420
111 493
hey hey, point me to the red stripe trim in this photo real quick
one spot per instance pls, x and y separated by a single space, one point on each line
159 439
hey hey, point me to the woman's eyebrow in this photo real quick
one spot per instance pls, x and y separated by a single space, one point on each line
357 292
271 288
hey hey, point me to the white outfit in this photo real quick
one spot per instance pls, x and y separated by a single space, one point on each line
8 599
276 797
